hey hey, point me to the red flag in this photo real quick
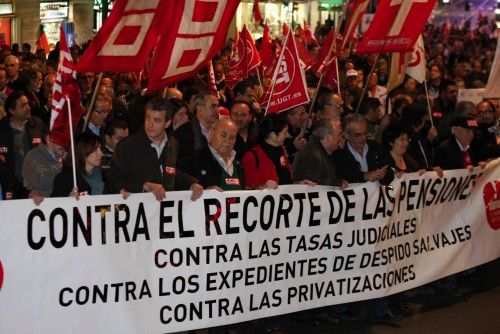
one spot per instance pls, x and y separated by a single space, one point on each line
306 59
42 42
196 31
127 37
289 86
300 34
238 64
326 55
211 78
357 10
253 57
65 85
266 49
330 79
257 15
309 34
392 30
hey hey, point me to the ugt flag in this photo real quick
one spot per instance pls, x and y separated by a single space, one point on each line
193 34
396 26
289 85
65 85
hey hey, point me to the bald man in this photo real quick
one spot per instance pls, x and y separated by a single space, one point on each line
217 166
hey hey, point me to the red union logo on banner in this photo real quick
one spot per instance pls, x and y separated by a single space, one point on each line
196 31
392 30
289 88
202 29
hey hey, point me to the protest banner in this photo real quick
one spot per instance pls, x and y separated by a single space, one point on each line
104 264
474 95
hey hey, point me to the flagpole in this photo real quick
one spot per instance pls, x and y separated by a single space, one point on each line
275 74
334 45
258 78
72 142
428 102
92 102
367 82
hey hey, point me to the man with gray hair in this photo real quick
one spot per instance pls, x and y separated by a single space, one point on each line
11 65
315 162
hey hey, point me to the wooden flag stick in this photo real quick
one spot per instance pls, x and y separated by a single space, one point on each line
92 102
367 82
72 142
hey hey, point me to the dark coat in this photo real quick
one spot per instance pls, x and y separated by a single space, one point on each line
63 183
349 169
210 173
191 140
315 164
450 156
135 162
35 130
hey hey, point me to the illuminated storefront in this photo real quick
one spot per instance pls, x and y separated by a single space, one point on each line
292 12
6 16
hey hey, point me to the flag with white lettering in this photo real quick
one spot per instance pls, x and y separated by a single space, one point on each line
392 29
65 85
127 37
253 57
238 64
211 78
288 88
416 65
356 11
195 32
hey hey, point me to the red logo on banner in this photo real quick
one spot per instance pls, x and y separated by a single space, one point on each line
289 87
1 275
233 182
396 26
170 170
491 196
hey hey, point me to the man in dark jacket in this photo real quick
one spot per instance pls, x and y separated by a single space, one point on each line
19 133
147 160
315 161
362 160
217 165
193 136
457 152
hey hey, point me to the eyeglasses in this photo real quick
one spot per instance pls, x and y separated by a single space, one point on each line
484 112
335 105
359 134
99 111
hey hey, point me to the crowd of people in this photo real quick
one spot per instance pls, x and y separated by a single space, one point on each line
188 137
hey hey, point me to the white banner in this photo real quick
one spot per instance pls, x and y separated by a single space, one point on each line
107 265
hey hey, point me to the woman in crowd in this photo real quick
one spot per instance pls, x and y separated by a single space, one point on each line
181 113
396 140
88 156
266 165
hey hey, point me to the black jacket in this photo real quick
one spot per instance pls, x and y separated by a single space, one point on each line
191 140
210 173
349 169
450 156
34 133
315 164
135 161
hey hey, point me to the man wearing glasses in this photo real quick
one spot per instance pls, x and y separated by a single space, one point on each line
98 117
330 107
488 132
193 136
361 160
